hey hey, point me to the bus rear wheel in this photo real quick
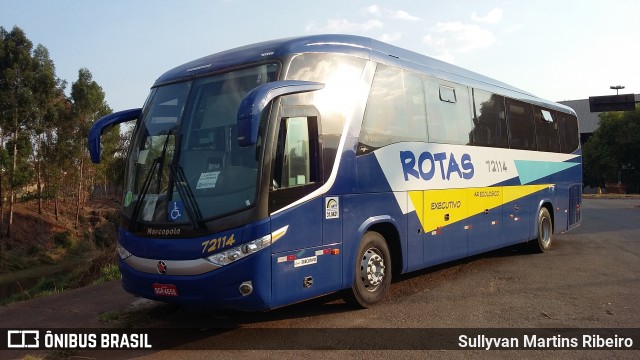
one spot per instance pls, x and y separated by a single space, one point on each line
372 277
545 232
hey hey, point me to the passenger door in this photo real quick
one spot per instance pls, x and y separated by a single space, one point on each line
299 256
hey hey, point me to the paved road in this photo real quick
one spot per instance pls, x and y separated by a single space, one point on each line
590 279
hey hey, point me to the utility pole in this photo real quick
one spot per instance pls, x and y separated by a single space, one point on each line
616 88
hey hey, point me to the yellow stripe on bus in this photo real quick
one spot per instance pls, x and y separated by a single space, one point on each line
439 208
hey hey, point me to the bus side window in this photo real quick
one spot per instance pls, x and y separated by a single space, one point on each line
448 112
490 120
522 131
546 130
569 141
395 110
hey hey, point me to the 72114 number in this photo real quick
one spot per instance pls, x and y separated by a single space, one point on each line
217 243
496 166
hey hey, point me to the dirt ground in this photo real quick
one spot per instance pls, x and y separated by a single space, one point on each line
41 246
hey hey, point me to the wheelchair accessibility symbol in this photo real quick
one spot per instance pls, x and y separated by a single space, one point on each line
175 211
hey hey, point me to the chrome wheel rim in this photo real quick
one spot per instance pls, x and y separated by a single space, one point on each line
545 232
372 269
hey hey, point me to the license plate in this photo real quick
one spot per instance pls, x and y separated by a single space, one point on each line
165 290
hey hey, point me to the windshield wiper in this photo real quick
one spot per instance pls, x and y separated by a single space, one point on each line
157 163
143 193
161 158
186 193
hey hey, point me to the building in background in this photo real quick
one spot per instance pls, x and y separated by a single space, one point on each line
587 121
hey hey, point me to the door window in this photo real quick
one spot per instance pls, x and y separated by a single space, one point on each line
296 164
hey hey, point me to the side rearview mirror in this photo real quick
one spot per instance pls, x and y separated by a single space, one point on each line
103 125
251 107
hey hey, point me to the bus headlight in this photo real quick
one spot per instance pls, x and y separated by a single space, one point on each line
122 252
236 253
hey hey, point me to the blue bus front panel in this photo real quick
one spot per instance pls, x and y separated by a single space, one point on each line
178 270
218 288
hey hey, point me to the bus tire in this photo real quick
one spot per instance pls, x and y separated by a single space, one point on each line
545 232
372 277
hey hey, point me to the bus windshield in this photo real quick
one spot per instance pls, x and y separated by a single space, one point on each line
185 164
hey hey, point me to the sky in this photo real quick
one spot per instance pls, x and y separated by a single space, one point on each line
557 50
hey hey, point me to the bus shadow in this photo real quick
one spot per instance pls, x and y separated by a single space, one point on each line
448 269
162 315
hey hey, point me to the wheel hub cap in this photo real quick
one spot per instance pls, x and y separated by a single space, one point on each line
372 268
546 231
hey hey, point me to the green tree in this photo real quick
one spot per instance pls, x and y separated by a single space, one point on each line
24 171
611 153
58 149
109 172
17 100
49 93
88 106
43 133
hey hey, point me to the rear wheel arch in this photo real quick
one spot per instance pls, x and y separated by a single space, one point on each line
549 208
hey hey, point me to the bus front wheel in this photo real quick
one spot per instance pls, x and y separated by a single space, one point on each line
545 232
372 277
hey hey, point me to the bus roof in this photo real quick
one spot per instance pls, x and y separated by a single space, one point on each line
359 46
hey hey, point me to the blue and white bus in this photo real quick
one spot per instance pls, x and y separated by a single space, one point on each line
272 173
